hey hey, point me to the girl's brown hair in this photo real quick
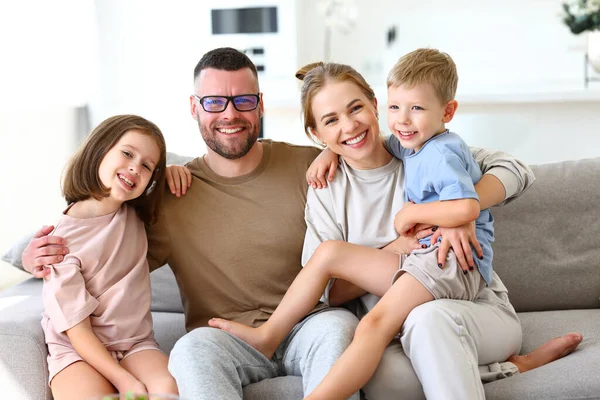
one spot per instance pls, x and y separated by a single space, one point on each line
82 180
314 77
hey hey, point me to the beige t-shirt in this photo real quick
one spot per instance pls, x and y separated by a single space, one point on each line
359 206
105 277
235 244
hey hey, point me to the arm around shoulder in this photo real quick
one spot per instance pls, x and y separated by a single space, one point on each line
514 175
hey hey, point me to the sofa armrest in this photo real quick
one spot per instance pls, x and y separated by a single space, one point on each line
23 352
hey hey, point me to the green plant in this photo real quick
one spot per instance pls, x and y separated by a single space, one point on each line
582 15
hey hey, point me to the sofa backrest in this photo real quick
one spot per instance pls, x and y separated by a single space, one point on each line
547 248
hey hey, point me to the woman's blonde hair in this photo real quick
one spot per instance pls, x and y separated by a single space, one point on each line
81 179
314 77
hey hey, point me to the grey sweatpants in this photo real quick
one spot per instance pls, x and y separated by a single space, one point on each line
210 364
447 348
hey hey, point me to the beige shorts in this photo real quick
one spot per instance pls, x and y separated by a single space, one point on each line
61 356
447 283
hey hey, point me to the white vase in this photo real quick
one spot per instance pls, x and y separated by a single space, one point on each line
593 49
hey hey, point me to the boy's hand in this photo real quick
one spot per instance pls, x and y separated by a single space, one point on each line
403 222
179 179
315 175
403 245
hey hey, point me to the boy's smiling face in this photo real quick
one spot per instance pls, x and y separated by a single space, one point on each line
416 114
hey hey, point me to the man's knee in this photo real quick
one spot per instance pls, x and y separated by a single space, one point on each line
333 327
201 343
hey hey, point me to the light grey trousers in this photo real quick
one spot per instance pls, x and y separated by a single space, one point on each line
447 348
210 364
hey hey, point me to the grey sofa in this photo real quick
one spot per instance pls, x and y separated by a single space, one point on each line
547 253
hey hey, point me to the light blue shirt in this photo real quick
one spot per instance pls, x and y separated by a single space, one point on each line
444 169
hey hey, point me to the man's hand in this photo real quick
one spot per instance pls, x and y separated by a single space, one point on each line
43 250
179 179
460 239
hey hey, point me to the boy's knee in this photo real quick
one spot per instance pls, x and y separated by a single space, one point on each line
327 251
370 326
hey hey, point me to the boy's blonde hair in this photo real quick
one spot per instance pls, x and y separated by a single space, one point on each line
426 66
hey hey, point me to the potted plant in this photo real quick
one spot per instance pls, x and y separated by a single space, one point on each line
584 16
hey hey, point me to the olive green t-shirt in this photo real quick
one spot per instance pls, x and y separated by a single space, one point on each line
235 244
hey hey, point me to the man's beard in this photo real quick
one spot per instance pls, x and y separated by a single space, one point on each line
211 139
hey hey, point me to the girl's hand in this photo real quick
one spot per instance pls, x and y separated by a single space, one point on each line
179 179
315 174
130 384
460 239
404 245
403 220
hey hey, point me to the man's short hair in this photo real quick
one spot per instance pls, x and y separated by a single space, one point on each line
225 59
426 66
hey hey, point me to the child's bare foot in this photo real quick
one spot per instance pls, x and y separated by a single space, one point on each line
548 352
253 336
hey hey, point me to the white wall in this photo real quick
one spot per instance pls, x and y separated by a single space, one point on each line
517 63
45 72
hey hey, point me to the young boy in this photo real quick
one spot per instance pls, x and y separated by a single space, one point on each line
438 164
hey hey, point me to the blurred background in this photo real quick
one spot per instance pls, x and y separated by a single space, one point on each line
65 65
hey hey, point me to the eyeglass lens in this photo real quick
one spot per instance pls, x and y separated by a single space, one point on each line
241 103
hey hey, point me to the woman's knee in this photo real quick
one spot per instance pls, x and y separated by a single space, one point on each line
394 377
428 318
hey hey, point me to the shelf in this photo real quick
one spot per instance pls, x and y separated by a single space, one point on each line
520 96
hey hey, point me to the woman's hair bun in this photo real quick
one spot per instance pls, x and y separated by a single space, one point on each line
301 73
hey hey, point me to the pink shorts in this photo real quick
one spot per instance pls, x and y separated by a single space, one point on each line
61 356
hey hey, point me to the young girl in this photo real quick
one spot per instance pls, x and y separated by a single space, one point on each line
97 321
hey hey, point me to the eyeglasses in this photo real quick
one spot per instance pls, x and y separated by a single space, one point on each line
217 104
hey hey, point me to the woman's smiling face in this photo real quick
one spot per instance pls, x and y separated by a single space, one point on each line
346 121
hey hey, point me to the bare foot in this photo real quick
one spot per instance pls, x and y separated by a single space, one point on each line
551 350
253 336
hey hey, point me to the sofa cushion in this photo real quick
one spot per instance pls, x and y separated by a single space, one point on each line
572 377
546 248
23 368
165 292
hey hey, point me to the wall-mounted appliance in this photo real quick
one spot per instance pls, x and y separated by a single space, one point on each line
265 31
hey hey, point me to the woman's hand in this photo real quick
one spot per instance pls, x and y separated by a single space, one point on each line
315 174
179 179
460 239
404 245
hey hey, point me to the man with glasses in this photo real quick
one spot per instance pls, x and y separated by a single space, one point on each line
234 243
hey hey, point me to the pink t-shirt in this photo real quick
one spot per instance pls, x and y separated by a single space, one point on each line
105 277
